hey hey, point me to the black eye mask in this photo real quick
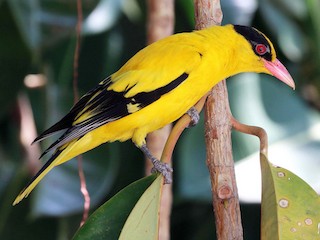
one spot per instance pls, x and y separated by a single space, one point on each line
259 43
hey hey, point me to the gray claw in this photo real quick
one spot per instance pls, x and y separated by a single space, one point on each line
159 166
164 169
194 115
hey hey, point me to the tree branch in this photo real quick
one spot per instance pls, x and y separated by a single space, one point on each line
218 141
252 130
177 130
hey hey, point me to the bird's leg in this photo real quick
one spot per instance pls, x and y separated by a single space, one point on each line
194 115
158 166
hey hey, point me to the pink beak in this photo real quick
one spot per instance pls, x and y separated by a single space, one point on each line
279 71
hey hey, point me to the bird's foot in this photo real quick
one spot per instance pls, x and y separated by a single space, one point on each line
194 115
158 166
162 168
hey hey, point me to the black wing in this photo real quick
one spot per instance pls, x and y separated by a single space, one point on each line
100 106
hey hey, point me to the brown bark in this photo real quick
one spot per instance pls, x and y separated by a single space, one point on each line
253 130
160 25
218 141
221 166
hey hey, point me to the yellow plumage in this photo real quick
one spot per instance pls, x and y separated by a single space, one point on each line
156 87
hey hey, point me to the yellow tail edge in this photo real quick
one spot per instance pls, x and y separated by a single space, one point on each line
26 191
56 159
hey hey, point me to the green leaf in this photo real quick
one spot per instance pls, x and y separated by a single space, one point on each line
143 222
290 207
108 220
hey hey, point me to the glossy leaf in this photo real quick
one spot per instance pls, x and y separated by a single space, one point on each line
143 222
108 220
290 207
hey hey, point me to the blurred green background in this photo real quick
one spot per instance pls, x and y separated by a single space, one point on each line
37 39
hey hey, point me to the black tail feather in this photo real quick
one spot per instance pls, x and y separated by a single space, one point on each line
64 123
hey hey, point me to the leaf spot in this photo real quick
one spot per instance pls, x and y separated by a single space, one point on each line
281 174
308 221
284 203
293 229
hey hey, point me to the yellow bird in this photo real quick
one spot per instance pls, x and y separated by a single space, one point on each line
155 87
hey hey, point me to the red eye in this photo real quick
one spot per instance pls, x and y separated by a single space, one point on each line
261 49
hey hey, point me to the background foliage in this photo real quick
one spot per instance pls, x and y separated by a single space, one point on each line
38 37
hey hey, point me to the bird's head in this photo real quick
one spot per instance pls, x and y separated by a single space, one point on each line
264 57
